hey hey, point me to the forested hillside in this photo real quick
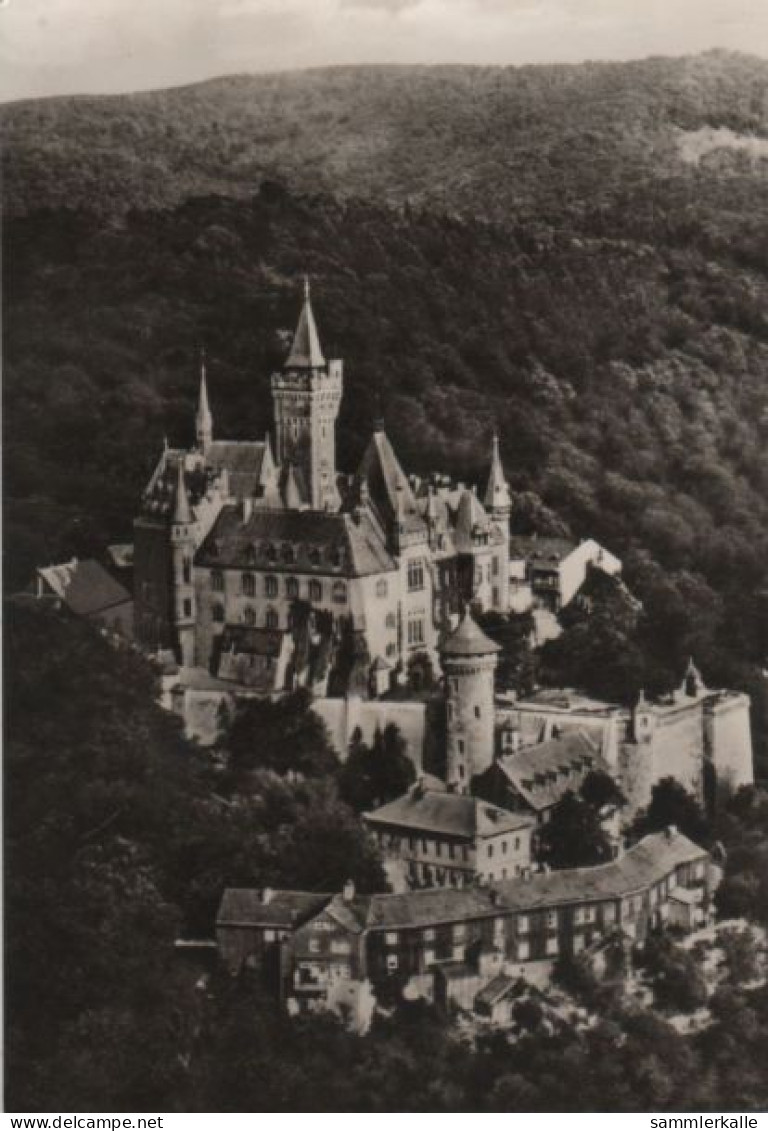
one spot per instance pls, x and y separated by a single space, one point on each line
577 254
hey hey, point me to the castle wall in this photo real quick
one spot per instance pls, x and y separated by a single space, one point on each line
728 739
678 746
342 716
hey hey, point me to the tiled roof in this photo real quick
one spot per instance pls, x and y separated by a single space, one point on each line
387 483
472 519
85 587
540 550
538 772
647 862
469 640
242 638
452 814
641 865
319 542
496 989
243 460
245 907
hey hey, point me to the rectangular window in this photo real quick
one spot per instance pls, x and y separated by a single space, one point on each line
341 946
429 957
490 851
459 932
392 962
187 608
551 919
415 575
523 924
523 951
457 954
552 946
415 630
429 934
578 943
609 913
391 938
269 936
314 946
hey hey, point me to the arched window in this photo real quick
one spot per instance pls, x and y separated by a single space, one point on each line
249 584
217 581
340 592
218 613
249 616
270 586
315 590
271 620
291 588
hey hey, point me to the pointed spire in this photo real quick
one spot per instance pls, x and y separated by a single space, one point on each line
497 497
182 512
305 351
203 419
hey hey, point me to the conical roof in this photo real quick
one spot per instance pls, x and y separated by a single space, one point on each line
470 516
497 495
469 640
305 351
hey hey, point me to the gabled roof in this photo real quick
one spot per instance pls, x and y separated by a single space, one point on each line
543 774
643 864
246 907
387 483
85 586
319 542
305 351
450 814
469 640
244 461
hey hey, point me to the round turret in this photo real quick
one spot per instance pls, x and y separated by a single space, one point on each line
469 659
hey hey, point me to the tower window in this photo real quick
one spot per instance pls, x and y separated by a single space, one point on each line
187 608
249 584
270 586
477 712
415 575
461 745
187 571
218 613
217 581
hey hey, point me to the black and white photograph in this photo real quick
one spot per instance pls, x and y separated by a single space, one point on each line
385 558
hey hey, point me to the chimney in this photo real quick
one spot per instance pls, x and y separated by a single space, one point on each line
266 895
348 892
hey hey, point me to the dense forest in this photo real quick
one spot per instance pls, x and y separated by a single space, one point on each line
104 1012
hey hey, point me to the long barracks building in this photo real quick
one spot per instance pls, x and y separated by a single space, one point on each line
328 951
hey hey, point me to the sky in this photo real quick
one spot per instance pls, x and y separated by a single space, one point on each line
108 46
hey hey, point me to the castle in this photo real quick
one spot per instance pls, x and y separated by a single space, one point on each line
262 568
262 565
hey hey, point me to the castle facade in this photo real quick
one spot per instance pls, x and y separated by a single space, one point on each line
263 565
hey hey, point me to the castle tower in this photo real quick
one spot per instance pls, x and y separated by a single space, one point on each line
306 397
498 500
203 418
469 659
182 543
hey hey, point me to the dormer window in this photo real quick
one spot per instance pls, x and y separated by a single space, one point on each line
314 556
270 552
288 554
